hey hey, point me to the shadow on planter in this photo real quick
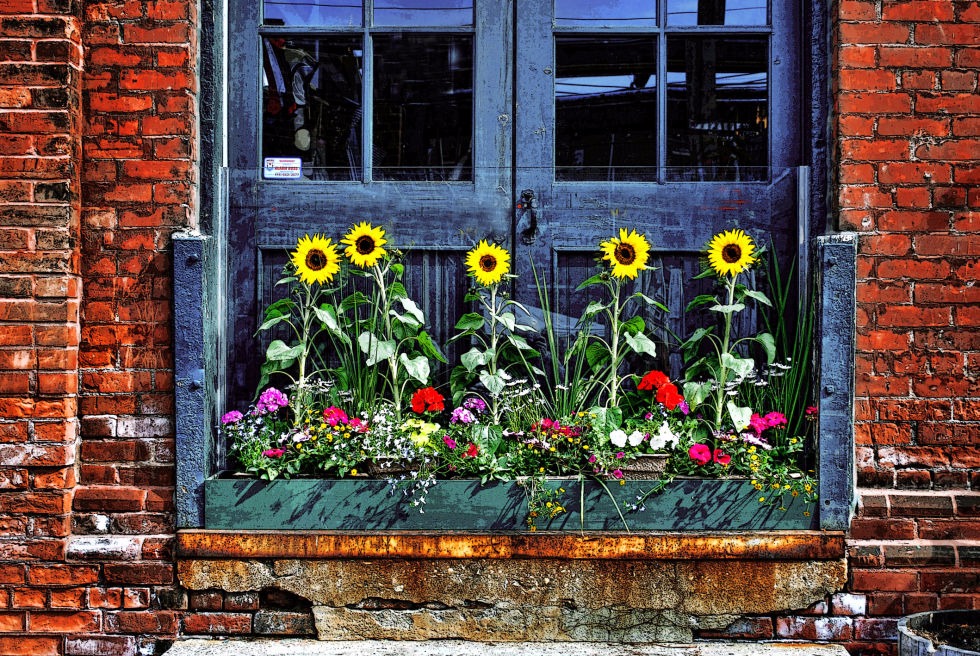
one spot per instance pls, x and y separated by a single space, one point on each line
940 633
466 505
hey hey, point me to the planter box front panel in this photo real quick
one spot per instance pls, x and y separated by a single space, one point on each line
465 505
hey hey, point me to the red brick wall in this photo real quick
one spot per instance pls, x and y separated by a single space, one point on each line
97 169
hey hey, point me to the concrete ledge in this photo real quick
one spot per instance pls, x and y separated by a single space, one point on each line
291 647
764 545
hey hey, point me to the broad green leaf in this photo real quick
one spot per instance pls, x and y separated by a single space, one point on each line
397 291
640 343
634 325
470 321
742 367
494 383
355 299
375 350
597 356
707 273
606 420
597 279
406 319
280 307
413 309
430 348
279 351
768 343
269 323
327 316
508 320
758 296
398 269
698 301
593 309
473 358
417 367
695 393
728 309
740 416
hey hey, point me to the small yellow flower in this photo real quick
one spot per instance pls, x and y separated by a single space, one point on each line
488 263
353 472
627 255
806 513
762 499
316 259
730 252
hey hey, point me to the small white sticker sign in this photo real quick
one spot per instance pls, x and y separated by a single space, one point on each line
282 168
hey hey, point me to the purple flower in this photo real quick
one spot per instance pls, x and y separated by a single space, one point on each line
231 417
592 459
274 453
476 404
450 442
620 455
462 415
754 440
270 401
685 408
617 473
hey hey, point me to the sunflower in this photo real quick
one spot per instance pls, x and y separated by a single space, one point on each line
730 253
364 243
316 259
488 263
627 255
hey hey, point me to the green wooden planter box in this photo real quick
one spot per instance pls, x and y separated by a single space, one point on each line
465 505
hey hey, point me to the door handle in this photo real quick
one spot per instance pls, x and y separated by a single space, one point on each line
527 216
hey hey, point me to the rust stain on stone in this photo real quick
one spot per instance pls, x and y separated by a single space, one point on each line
795 545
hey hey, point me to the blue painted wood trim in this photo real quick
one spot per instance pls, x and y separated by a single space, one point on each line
194 443
836 263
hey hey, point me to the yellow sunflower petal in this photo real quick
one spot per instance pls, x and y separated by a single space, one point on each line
627 255
488 263
730 252
316 259
364 244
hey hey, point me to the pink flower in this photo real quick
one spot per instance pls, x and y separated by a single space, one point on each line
231 417
617 473
450 442
811 410
592 459
274 453
462 415
700 453
476 404
758 424
775 419
359 426
334 415
270 401
722 458
620 455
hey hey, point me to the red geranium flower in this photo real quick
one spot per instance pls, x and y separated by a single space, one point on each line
722 458
653 380
471 451
669 396
700 453
427 399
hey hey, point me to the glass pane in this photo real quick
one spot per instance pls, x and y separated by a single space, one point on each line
599 13
311 106
717 108
716 12
428 13
313 12
605 108
423 107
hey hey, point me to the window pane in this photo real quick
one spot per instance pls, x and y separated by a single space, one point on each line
434 13
598 13
423 107
605 108
313 12
716 12
717 108
311 104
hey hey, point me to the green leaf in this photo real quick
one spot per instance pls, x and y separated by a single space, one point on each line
279 351
398 269
412 309
768 343
741 366
470 321
494 383
695 393
728 309
592 309
758 296
472 359
508 320
740 416
266 370
519 342
634 325
417 367
355 299
640 343
430 348
269 323
597 356
707 273
606 420
375 349
406 319
328 317
396 291
597 279
700 300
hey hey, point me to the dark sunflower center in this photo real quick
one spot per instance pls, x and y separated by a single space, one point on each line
625 254
364 244
488 263
731 253
316 259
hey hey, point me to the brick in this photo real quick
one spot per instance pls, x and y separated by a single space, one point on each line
100 646
205 600
62 575
32 645
949 529
919 555
139 573
814 628
59 622
217 623
140 621
883 529
884 581
241 601
109 499
280 622
950 581
68 598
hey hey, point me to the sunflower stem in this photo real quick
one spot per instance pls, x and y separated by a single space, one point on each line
722 368
614 343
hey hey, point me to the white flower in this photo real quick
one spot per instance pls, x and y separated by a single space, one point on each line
664 438
635 438
618 438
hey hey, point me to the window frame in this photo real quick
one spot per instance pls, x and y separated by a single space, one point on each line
201 284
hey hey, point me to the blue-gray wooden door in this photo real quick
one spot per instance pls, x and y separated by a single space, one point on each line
533 62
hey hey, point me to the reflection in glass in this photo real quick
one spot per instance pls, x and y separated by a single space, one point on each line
311 103
312 12
716 12
605 108
423 107
717 108
427 13
599 13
